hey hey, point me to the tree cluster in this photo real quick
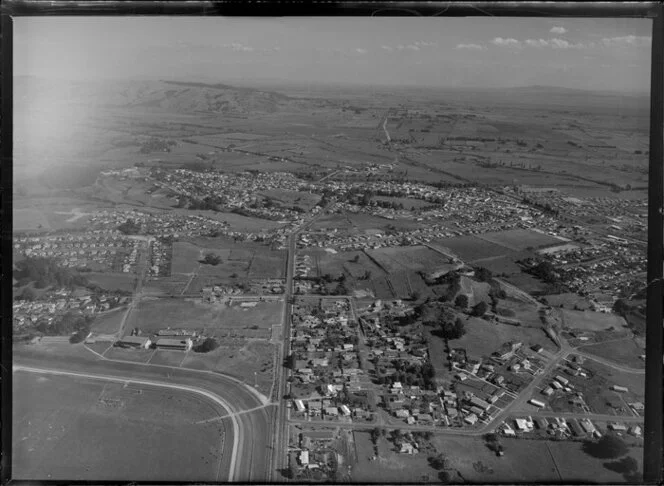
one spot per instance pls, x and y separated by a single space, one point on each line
206 346
211 259
129 227
46 272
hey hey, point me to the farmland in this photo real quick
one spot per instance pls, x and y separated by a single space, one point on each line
52 439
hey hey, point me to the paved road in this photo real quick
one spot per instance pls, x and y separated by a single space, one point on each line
255 427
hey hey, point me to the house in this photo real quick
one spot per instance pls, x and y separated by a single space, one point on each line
332 411
471 419
575 427
304 457
299 404
176 344
547 391
407 448
537 403
478 402
635 430
402 413
134 342
523 425
618 388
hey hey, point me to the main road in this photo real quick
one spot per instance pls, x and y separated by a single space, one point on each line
248 452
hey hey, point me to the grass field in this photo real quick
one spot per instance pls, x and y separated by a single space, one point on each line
414 258
249 361
470 248
113 281
624 352
591 321
567 301
526 461
483 338
389 467
243 260
152 314
596 389
29 220
109 323
520 239
137 432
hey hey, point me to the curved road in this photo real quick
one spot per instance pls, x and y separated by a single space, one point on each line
253 417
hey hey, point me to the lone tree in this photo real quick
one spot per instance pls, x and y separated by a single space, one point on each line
211 259
483 274
608 447
452 330
480 309
461 301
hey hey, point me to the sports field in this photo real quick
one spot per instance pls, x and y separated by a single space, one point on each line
70 428
520 239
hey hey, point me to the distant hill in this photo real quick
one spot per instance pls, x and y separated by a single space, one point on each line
182 97
199 97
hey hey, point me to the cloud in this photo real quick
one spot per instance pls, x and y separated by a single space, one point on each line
475 47
236 46
558 30
499 41
359 50
555 43
413 46
627 41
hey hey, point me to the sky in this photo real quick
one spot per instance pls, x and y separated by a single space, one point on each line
593 54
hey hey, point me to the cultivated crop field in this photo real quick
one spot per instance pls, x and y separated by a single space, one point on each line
137 432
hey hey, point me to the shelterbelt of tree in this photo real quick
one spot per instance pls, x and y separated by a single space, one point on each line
252 415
